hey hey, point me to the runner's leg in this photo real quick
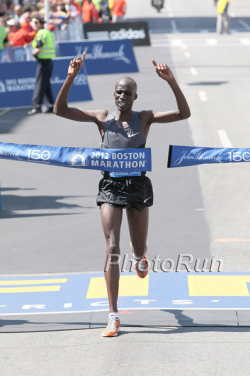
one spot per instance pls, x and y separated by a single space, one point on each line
138 229
111 224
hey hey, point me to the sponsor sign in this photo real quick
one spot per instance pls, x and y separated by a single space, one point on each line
103 57
17 82
135 31
117 160
181 156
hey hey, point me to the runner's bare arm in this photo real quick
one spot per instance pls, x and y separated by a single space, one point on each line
61 106
183 111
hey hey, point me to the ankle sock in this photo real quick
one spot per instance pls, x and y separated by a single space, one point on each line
112 314
136 258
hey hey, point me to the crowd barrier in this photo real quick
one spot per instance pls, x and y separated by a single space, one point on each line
102 57
17 81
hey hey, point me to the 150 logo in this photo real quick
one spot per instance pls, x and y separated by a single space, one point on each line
238 156
38 154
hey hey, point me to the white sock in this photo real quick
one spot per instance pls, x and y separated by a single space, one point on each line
112 314
136 258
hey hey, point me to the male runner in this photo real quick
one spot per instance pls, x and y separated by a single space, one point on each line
123 128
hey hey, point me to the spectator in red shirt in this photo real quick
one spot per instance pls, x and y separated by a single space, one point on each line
17 36
89 12
26 26
119 10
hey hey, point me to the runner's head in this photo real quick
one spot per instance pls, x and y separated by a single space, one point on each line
125 93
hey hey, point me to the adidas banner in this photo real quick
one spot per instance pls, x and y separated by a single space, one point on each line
182 156
117 160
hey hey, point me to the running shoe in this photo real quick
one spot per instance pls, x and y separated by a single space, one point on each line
112 328
141 267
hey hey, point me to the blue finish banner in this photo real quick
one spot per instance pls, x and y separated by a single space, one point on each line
182 156
102 57
117 160
17 82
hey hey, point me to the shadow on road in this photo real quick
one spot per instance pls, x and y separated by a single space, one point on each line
12 204
9 121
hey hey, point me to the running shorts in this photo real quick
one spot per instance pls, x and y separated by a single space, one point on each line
135 192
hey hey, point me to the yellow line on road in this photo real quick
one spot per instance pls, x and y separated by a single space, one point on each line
33 282
4 111
7 290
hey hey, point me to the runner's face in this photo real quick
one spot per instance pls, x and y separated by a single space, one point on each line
125 94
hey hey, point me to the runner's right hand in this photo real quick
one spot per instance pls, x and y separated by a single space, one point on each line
76 65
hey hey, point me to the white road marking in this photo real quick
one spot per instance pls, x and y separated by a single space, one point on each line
160 45
243 23
176 42
4 111
211 42
173 25
224 139
245 42
203 96
193 71
187 54
199 209
170 15
232 14
184 46
67 305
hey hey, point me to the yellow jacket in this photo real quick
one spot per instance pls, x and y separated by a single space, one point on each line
111 3
222 5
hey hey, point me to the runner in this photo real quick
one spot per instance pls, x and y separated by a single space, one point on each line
123 128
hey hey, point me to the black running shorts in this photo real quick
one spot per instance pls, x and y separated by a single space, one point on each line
135 192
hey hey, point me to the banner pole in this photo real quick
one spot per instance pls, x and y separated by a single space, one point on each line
46 13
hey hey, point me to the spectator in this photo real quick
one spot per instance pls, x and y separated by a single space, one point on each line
89 12
17 36
3 9
70 8
10 8
98 6
106 12
17 11
119 10
77 5
59 16
27 27
222 16
3 34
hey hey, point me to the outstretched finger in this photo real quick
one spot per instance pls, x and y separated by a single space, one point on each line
154 62
83 56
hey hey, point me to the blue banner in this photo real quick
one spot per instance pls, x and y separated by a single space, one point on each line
17 81
117 160
103 57
182 156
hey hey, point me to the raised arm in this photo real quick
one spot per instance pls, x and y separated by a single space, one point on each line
61 106
183 111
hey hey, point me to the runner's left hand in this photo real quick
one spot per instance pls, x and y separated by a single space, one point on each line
163 71
76 65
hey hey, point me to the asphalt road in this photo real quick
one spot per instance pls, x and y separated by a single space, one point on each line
49 221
